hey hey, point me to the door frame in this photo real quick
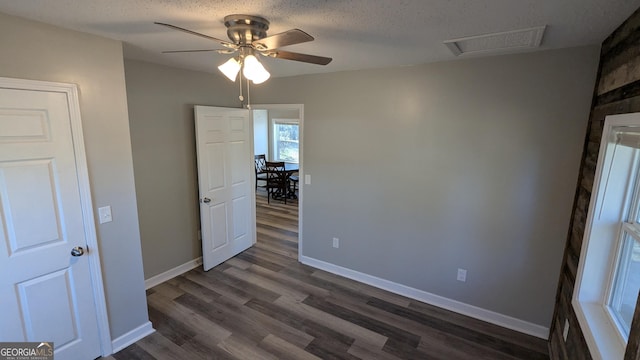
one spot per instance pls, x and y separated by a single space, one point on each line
300 108
82 173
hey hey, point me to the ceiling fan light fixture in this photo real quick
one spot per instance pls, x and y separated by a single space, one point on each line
263 77
230 69
254 71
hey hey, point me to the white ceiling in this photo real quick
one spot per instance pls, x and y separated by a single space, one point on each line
357 34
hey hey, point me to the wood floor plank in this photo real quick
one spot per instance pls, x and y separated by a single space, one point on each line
459 331
170 328
528 341
264 304
132 352
348 328
284 350
167 290
288 281
234 323
303 274
200 325
243 349
444 346
301 322
273 228
440 345
201 346
272 257
361 351
163 349
239 263
363 288
364 321
246 321
257 259
327 349
229 286
268 284
195 289
278 249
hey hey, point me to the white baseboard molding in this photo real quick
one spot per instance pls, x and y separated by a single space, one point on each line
432 299
132 336
171 273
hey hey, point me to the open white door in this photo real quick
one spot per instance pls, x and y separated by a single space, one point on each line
225 168
46 291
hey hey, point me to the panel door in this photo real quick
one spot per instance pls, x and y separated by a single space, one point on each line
225 184
45 292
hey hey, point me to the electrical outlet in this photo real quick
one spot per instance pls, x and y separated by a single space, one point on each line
565 331
462 275
336 242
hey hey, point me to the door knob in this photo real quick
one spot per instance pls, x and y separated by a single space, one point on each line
77 251
206 200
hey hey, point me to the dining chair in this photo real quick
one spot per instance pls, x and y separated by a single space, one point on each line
276 181
260 163
293 185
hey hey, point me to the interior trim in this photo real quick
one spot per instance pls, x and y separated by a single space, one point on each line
171 273
132 336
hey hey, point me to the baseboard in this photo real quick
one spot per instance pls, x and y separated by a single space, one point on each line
171 273
432 299
132 336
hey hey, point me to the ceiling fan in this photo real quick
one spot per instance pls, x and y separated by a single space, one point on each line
248 35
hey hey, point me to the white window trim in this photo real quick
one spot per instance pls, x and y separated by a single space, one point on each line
274 140
600 245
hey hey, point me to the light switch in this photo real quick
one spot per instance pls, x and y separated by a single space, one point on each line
307 179
105 214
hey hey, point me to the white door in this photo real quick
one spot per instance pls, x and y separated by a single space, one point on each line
45 293
225 168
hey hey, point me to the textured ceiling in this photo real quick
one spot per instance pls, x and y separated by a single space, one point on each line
357 34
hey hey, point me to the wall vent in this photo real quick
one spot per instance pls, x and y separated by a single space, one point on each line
497 42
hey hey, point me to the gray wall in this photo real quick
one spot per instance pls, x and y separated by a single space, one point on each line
260 132
161 103
418 170
32 50
467 164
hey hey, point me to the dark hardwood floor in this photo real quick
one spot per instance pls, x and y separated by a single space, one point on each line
263 304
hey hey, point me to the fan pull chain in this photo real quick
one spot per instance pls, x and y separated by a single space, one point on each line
248 96
240 82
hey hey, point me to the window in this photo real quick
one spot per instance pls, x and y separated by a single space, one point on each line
624 294
609 273
285 140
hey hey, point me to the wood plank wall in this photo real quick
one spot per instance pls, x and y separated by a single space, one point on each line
617 92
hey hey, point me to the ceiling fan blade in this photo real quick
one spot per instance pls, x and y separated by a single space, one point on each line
224 43
287 55
186 51
219 51
291 37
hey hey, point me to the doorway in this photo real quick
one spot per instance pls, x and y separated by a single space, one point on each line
273 129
